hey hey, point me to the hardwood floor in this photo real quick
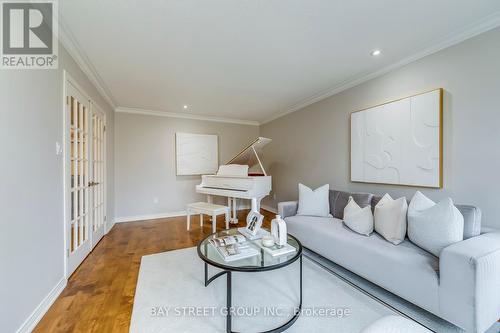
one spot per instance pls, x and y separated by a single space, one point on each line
100 293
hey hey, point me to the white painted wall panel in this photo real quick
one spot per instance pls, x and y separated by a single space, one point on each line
398 143
197 154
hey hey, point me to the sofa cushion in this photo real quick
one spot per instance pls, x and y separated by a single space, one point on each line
471 214
434 226
405 270
358 219
390 218
339 199
313 202
472 220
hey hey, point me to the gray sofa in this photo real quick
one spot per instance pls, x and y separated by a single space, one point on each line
462 286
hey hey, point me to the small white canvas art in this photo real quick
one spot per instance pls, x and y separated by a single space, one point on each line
197 154
399 142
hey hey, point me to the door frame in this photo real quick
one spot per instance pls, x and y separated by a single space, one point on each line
67 78
94 107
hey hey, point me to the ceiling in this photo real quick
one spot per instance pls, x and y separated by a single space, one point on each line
255 60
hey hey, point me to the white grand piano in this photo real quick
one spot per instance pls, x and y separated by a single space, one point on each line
234 180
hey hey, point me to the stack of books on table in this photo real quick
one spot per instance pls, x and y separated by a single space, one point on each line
233 248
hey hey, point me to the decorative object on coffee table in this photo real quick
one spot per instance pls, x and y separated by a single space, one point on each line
268 241
233 247
278 231
254 230
254 222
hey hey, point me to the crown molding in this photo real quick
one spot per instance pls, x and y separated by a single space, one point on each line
185 116
69 42
488 23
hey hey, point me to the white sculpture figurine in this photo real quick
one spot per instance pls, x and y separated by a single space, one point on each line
278 231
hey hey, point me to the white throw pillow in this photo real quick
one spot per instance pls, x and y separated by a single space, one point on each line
434 226
314 203
390 218
358 219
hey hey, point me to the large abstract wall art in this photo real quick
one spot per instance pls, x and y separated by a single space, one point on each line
399 142
197 154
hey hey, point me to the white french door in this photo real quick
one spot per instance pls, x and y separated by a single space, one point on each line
98 175
85 171
78 243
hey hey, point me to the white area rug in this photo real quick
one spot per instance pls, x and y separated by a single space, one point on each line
171 297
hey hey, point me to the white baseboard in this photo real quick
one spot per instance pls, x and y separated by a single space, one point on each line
178 213
149 217
265 207
109 227
175 214
30 323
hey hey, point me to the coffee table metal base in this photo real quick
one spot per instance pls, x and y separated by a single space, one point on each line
228 274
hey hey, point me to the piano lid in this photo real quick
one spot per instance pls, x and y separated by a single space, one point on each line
250 155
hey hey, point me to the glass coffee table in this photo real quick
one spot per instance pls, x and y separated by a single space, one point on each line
259 263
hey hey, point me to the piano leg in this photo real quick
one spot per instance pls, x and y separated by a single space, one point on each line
210 199
229 218
234 219
214 223
256 204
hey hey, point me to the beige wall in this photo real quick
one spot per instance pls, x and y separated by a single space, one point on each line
312 145
31 193
145 161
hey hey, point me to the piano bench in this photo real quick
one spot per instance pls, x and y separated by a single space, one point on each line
208 209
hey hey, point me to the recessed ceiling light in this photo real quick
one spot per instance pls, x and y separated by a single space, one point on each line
375 53
185 106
